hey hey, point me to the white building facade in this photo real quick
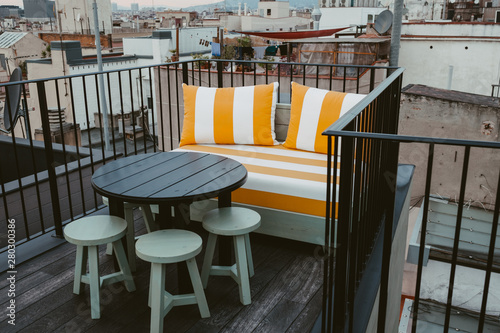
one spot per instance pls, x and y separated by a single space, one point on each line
77 16
273 8
458 56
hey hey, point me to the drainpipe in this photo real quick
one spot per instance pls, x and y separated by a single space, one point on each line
396 33
104 106
450 77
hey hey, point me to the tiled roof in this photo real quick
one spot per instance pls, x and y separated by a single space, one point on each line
7 39
451 95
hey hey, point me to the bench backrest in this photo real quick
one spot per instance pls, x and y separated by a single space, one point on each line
281 121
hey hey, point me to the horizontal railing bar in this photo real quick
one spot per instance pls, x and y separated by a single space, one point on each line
343 121
190 61
415 139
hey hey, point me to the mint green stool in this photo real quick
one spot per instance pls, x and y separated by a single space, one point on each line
129 217
166 247
236 222
87 234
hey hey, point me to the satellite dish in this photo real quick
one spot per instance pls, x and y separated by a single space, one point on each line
383 22
11 110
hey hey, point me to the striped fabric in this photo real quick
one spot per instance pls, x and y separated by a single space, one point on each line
312 111
278 178
242 115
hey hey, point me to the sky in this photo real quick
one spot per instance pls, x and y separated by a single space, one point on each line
142 3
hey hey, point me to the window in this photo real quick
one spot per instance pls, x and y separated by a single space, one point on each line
269 12
497 20
370 18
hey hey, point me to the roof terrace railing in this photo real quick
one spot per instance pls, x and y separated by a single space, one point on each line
366 143
46 182
47 185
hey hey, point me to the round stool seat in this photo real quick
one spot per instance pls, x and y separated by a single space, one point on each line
168 246
95 230
231 221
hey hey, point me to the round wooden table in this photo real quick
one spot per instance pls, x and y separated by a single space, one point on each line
170 180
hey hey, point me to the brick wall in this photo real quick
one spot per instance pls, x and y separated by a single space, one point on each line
85 40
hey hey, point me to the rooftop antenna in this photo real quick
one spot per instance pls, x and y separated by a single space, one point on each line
12 110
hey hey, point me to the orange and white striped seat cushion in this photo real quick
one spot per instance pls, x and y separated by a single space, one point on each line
278 178
242 115
312 112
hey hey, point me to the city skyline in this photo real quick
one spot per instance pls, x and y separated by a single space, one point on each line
142 3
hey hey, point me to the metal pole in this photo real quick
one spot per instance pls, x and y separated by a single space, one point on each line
102 94
396 33
49 157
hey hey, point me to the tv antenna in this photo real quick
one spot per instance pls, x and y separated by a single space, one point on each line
12 107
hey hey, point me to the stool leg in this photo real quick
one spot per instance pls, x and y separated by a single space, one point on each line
198 288
129 217
242 269
157 292
94 282
122 262
80 268
149 220
109 249
248 250
207 261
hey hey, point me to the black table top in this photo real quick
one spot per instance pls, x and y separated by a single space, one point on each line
168 177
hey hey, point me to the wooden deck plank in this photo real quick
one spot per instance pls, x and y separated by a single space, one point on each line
286 294
307 318
284 285
279 319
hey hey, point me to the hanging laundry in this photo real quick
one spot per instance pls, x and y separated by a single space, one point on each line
283 50
239 52
216 49
271 50
248 51
259 51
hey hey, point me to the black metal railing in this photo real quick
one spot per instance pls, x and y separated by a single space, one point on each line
144 108
366 144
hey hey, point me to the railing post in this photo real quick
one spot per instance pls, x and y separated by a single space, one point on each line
49 157
340 320
220 67
185 77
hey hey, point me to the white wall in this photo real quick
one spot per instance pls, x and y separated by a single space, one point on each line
278 9
475 61
91 93
346 16
249 23
82 9
141 46
422 10
467 29
189 39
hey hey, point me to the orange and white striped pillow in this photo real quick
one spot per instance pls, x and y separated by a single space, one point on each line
242 115
312 111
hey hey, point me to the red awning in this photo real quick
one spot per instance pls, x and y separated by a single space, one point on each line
292 34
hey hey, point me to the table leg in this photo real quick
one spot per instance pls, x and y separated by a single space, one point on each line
164 218
116 208
181 220
225 251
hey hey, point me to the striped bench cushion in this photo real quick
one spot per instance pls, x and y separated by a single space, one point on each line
278 177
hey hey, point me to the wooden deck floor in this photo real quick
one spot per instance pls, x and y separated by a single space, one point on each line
286 294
